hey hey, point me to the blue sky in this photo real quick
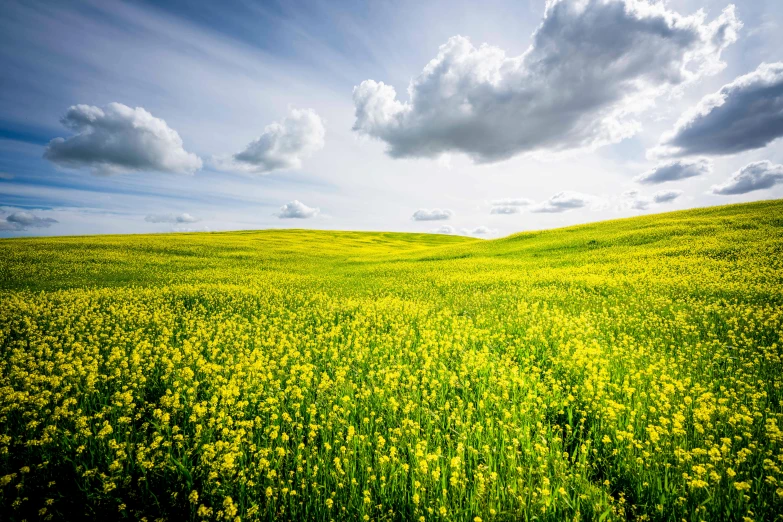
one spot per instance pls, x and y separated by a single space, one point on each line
131 117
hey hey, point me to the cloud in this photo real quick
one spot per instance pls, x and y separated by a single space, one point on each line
445 229
171 218
674 171
6 176
282 145
632 199
592 67
512 202
509 205
117 138
18 221
508 209
666 196
563 202
479 231
298 210
435 214
743 115
754 176
444 161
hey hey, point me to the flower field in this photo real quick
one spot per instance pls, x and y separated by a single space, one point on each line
626 370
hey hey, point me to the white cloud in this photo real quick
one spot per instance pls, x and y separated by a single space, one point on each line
6 176
674 171
666 196
509 205
743 115
754 176
512 202
170 218
435 214
117 138
631 199
298 210
444 161
507 209
282 145
479 231
445 229
593 65
563 202
22 220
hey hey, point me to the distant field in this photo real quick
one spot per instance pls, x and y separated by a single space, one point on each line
630 369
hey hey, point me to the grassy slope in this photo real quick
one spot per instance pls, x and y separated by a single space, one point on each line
714 234
63 262
578 339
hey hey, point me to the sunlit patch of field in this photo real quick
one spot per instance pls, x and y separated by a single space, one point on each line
630 369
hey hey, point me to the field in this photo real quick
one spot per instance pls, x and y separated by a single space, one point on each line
630 369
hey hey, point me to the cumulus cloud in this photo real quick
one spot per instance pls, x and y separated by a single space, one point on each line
117 138
282 145
666 196
592 67
674 170
754 176
743 115
297 210
445 229
18 221
479 231
171 218
435 214
563 202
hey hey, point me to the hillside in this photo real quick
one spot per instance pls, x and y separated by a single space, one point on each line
629 369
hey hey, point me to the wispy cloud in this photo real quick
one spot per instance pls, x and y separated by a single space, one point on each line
509 205
512 202
170 218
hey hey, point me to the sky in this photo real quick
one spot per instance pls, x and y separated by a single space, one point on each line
472 118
